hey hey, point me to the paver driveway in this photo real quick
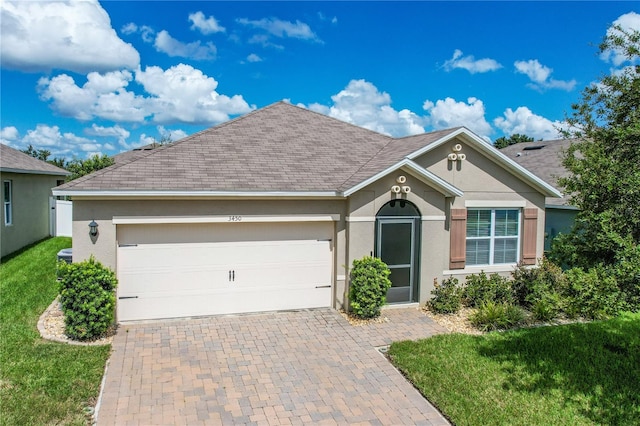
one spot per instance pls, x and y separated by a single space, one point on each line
297 367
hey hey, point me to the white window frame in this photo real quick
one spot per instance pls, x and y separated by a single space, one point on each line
7 205
492 237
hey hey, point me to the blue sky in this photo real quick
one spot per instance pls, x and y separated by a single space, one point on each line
83 77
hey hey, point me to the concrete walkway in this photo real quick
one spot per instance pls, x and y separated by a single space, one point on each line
276 368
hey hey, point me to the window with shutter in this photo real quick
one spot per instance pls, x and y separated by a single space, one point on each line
529 239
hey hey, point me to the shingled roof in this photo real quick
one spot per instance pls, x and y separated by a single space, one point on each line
14 161
544 159
281 147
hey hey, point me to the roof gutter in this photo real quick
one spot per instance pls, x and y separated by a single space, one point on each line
33 172
150 194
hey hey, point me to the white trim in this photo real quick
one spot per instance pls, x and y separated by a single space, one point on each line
558 207
34 172
341 278
433 218
147 220
192 194
360 219
496 204
507 267
429 178
373 218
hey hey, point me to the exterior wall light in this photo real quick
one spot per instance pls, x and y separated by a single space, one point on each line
93 228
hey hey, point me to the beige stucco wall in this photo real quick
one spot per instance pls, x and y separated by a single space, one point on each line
104 246
31 194
478 177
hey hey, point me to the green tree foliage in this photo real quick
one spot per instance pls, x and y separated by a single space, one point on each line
604 166
44 154
503 142
79 168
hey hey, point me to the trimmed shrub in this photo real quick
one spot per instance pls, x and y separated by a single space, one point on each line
593 293
496 316
87 297
369 285
479 289
447 297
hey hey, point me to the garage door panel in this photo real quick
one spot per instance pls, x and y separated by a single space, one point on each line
177 280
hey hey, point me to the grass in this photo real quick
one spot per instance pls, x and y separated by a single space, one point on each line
578 374
41 382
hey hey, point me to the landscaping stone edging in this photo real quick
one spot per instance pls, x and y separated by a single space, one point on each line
51 327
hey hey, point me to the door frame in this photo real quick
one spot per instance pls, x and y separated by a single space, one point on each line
416 221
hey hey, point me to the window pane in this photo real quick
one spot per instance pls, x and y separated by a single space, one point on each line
7 192
505 250
478 252
506 223
478 223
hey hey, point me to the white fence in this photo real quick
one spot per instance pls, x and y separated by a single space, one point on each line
61 218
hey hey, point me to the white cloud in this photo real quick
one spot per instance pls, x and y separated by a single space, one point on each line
120 133
539 76
264 41
178 94
525 122
447 113
9 133
470 64
362 104
129 28
282 29
254 58
628 22
194 50
73 35
174 135
59 144
205 25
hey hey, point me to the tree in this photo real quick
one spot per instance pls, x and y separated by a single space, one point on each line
44 154
503 142
79 168
604 166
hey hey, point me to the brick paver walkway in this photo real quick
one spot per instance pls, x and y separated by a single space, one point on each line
303 367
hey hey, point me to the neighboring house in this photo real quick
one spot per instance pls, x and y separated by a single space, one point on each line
268 212
26 189
544 159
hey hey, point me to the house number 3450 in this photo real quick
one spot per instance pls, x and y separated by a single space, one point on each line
235 218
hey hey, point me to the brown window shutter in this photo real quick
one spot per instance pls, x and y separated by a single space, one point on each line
529 237
458 233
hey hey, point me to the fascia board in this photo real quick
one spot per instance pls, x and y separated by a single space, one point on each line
33 172
193 194
494 154
429 178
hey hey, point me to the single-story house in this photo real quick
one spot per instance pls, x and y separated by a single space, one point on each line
268 212
544 159
26 190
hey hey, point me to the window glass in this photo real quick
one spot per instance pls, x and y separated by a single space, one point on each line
8 217
492 236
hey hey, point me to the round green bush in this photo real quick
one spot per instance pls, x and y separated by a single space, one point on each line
369 285
447 297
87 297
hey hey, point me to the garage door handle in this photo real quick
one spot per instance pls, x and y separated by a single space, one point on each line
232 275
128 297
323 286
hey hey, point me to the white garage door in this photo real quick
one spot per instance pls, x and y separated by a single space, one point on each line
180 279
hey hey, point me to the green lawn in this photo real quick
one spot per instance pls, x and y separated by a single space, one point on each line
579 374
41 382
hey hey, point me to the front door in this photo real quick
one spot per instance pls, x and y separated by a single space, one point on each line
396 247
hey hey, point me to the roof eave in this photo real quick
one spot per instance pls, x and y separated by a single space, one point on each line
33 172
137 194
